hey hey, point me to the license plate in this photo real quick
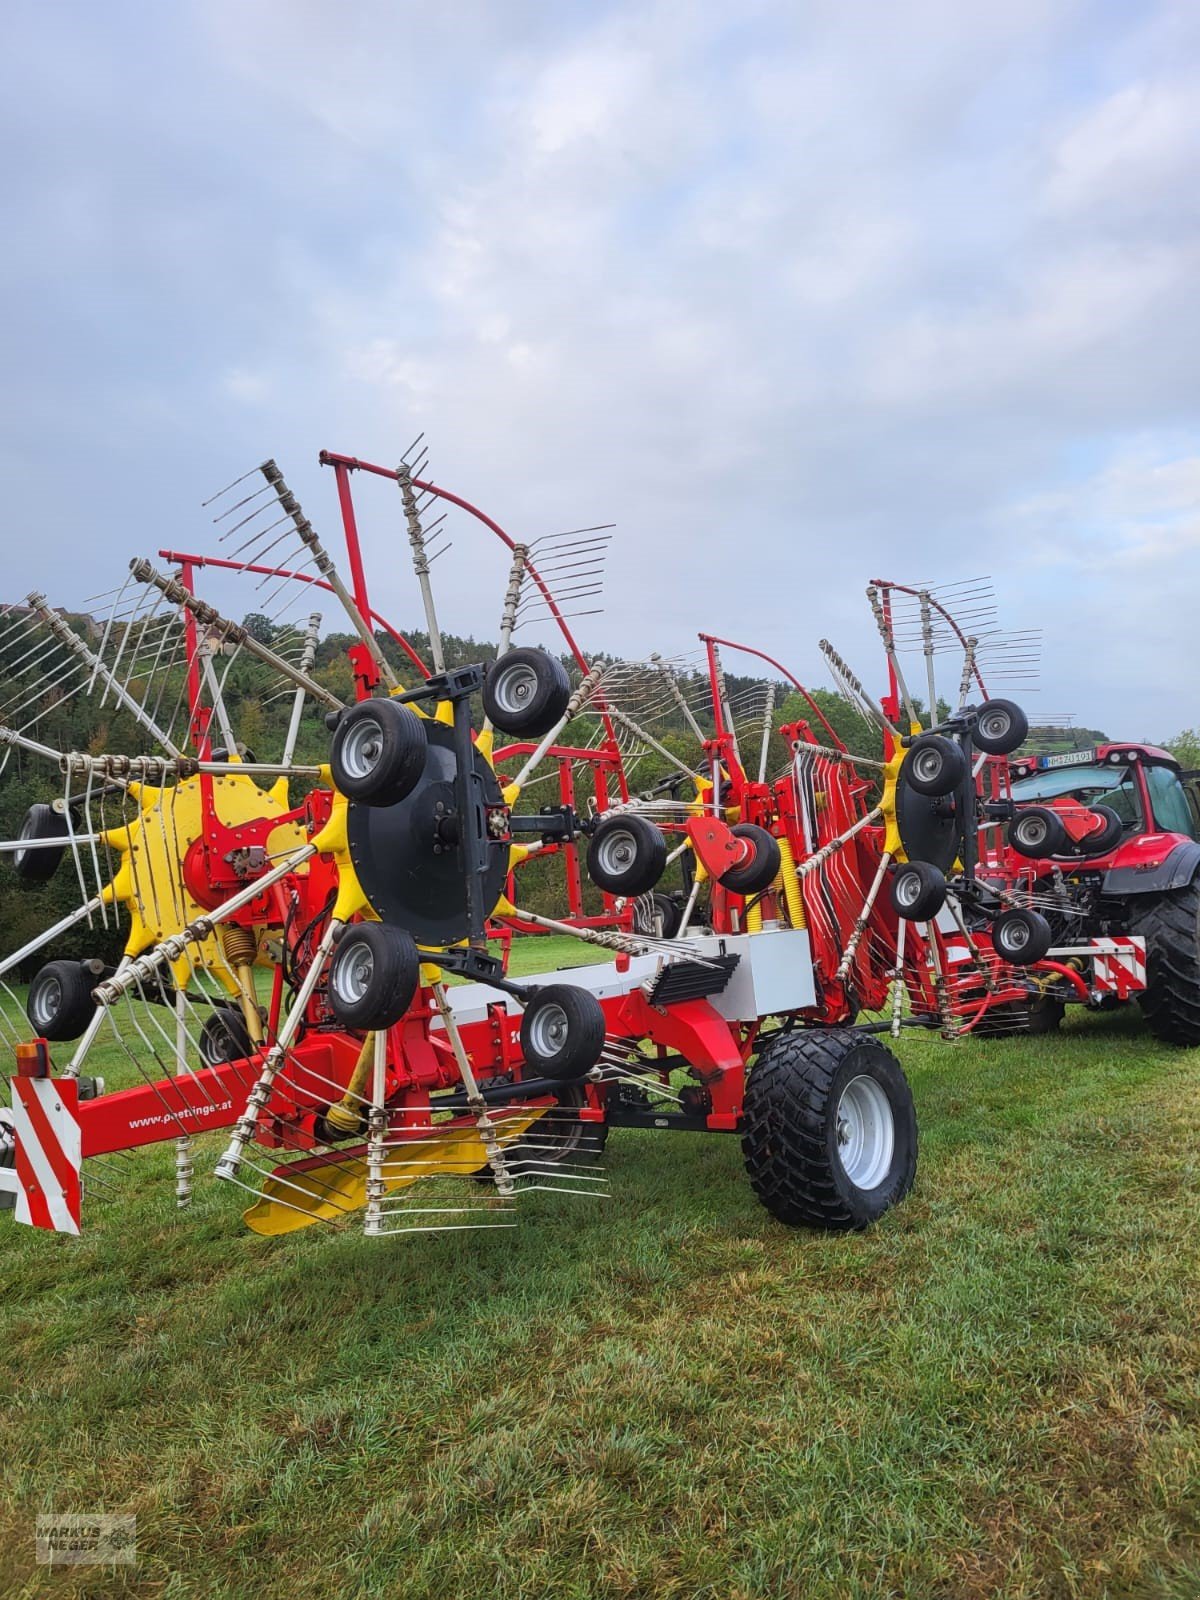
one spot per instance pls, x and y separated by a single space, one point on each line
1069 758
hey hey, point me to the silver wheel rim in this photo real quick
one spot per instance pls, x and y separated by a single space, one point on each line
25 833
47 1001
548 1031
616 852
1033 831
866 1132
996 725
908 889
929 765
514 688
353 972
1014 936
362 748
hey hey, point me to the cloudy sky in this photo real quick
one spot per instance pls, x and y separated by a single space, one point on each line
797 294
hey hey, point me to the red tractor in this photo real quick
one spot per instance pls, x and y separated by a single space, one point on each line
1107 840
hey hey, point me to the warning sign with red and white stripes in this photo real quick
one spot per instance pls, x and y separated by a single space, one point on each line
49 1152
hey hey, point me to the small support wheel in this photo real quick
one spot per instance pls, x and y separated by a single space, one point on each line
373 975
378 752
224 1037
1037 832
562 1032
934 765
41 822
918 891
626 855
1021 937
660 916
1106 838
59 1004
829 1131
526 692
761 867
1000 728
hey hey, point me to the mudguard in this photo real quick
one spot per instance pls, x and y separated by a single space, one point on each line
1175 871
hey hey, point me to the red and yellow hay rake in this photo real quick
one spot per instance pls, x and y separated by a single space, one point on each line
314 953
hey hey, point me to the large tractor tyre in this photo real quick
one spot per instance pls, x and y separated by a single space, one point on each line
1041 1014
918 891
373 975
526 692
1170 1002
761 868
41 822
1037 833
562 1032
1000 728
59 1004
934 765
626 855
829 1131
378 752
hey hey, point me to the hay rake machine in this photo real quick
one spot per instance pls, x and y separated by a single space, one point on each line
315 952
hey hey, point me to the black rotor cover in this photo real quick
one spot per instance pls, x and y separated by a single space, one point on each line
408 881
928 828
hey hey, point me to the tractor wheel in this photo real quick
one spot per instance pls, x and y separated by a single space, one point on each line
1170 1002
59 1003
626 855
1021 937
39 866
526 692
1000 728
1042 1014
760 872
224 1037
1037 832
934 765
373 975
562 1032
659 915
918 891
829 1132
378 752
1099 844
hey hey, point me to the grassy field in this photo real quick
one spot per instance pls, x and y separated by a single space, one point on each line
664 1394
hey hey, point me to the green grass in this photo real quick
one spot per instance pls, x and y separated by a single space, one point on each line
664 1394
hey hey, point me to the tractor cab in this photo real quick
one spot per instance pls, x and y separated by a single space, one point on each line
1142 784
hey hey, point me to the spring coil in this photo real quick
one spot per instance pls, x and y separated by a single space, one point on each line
239 944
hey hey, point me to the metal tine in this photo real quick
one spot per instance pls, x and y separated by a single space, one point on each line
213 498
247 499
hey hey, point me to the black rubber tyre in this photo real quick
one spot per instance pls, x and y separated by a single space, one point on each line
1099 844
562 1032
526 692
39 866
378 752
918 891
59 1004
1021 937
794 1129
1000 728
760 872
1037 832
1170 925
626 855
373 975
934 765
559 1135
1041 1015
669 914
224 1037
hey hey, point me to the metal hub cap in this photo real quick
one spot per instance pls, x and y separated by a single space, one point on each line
1014 936
996 725
515 687
1033 830
617 851
928 765
46 1001
908 888
362 749
548 1031
866 1132
353 972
